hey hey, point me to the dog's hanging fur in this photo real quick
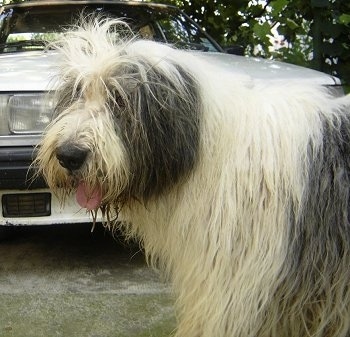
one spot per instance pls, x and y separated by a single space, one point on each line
238 190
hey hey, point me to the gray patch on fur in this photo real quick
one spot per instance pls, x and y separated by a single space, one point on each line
319 244
162 135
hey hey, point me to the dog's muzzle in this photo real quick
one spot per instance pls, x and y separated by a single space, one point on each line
71 157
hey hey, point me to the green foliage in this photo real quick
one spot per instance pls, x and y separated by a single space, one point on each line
313 33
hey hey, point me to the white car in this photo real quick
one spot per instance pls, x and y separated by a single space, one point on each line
26 70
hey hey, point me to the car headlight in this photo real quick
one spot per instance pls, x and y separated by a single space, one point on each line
27 113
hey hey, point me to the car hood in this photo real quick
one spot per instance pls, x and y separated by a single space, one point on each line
33 70
27 71
262 69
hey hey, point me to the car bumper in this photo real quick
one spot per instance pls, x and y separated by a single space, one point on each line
25 201
39 207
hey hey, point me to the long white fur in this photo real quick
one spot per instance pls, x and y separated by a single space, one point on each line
220 236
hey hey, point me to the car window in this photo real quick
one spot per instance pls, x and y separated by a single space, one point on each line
26 28
181 32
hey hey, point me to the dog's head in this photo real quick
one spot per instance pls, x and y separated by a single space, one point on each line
126 121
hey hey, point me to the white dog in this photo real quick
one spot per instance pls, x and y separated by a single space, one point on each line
238 191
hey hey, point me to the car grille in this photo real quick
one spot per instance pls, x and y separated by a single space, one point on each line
26 205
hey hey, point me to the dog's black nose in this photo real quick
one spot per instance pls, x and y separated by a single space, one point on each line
71 157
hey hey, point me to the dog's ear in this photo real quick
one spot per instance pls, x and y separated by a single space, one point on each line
164 135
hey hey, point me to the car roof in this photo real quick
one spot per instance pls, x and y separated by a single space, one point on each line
83 2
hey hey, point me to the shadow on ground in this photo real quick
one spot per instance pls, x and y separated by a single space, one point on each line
66 281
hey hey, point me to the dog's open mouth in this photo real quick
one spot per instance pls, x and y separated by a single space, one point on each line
91 199
87 197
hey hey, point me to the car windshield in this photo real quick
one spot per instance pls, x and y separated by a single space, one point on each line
25 28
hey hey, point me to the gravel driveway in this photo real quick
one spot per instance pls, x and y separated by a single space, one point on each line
66 281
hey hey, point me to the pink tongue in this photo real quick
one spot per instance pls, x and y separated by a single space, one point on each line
89 199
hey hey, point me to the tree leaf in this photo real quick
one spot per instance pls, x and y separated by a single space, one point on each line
292 24
344 19
262 30
278 5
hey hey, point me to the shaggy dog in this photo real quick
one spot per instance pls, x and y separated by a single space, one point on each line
238 191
